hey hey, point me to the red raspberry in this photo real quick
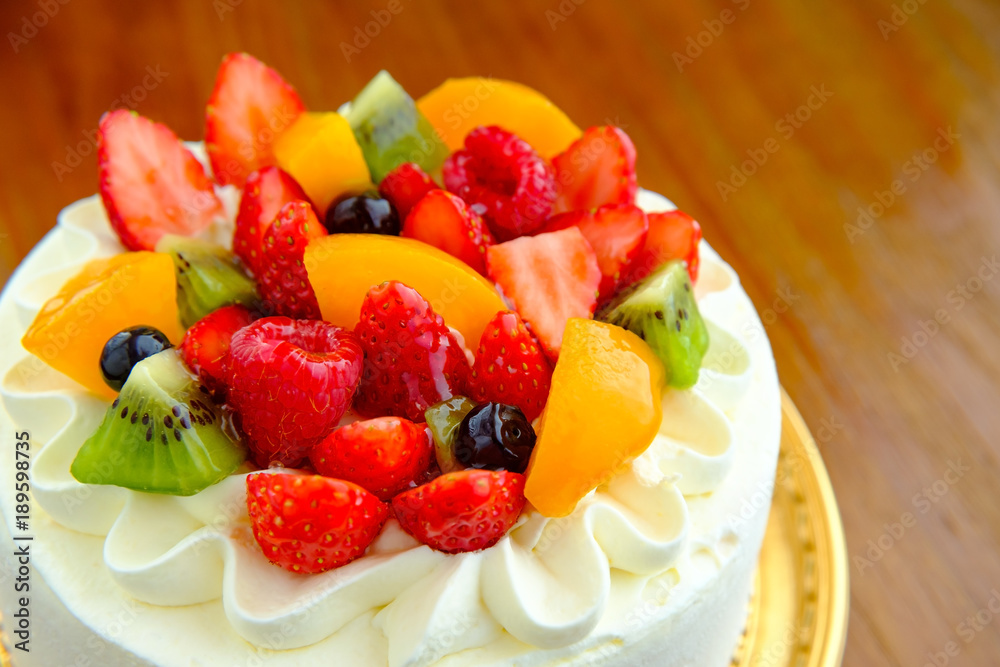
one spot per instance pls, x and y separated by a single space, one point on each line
412 359
504 179
283 281
206 344
404 186
290 382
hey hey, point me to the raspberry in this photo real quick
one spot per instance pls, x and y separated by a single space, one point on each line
290 382
504 179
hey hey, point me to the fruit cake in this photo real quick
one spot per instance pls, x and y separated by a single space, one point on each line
424 382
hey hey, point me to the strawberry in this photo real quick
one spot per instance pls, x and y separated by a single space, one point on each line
150 183
412 359
206 344
462 511
284 284
384 455
443 220
308 523
250 105
548 279
404 186
510 368
597 169
264 193
672 235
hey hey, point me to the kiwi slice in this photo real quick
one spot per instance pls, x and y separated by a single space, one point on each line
391 130
661 310
443 419
163 434
208 277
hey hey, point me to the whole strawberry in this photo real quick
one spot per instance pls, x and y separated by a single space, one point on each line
284 284
206 344
384 455
264 193
462 511
412 359
308 523
510 367
289 382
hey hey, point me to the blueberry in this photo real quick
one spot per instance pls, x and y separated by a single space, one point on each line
364 214
496 437
127 348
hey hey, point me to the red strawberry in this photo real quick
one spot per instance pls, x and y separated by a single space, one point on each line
462 511
412 359
548 278
443 220
510 368
284 284
150 184
264 193
404 186
672 235
384 455
249 106
206 344
597 169
290 382
310 524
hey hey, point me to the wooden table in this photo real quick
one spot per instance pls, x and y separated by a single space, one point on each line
841 154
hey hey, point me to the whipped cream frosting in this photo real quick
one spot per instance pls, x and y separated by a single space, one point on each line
583 589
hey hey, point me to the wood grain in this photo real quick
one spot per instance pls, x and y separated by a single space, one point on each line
840 293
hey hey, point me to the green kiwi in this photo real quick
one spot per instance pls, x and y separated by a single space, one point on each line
661 309
163 434
443 419
208 277
391 130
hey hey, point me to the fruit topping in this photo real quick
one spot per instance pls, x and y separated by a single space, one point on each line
343 267
384 455
284 283
150 183
444 221
672 235
163 434
443 420
494 436
502 177
404 186
458 106
127 348
290 382
206 345
548 278
391 130
462 511
364 214
597 169
604 409
412 359
250 105
663 312
510 367
310 524
264 193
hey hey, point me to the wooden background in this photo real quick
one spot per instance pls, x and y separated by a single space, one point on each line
907 96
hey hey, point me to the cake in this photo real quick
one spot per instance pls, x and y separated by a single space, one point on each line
640 551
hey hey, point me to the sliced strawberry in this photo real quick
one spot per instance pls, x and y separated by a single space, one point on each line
548 278
510 367
206 344
150 184
264 193
672 235
384 455
462 511
404 186
444 221
250 105
597 169
284 283
310 524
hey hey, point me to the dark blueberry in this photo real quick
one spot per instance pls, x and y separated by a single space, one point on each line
364 214
127 348
496 437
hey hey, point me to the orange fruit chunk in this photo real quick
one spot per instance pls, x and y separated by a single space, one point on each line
458 106
604 409
108 295
343 267
320 152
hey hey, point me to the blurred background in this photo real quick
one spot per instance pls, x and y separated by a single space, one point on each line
842 155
